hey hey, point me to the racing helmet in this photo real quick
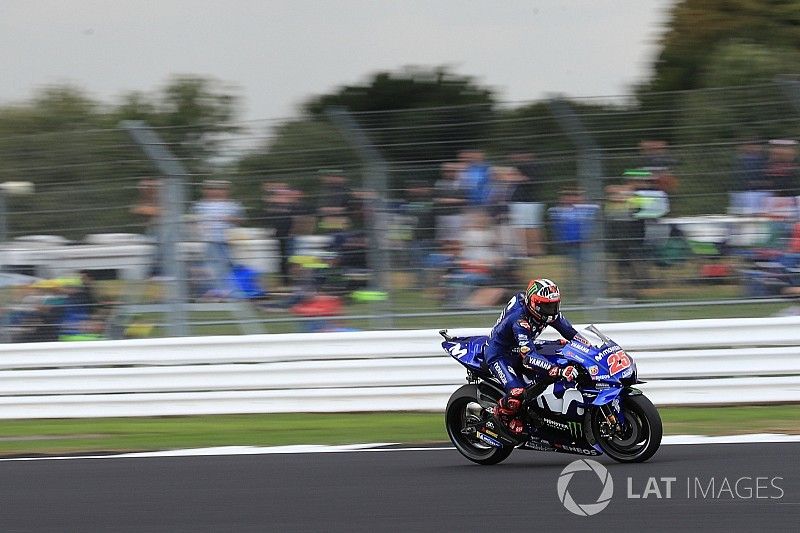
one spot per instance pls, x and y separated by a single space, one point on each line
543 300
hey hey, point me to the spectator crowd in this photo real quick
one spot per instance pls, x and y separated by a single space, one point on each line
466 239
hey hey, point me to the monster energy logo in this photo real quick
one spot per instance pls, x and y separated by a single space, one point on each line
575 428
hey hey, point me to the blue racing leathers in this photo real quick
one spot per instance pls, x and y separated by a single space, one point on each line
513 339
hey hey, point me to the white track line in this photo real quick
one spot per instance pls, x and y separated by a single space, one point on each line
379 447
729 439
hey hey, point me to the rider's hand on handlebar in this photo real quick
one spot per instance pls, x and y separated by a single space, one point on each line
563 342
570 373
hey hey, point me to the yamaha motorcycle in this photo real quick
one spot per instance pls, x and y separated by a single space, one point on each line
599 413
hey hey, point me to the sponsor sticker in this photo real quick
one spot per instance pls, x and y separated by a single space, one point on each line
500 374
544 365
610 349
575 449
580 347
490 441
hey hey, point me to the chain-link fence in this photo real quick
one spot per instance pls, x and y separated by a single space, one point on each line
673 205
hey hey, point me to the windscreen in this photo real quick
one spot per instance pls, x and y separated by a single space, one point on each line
594 336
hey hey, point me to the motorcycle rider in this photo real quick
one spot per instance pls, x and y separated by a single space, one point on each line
512 344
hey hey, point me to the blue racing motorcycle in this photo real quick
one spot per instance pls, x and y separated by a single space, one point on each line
600 412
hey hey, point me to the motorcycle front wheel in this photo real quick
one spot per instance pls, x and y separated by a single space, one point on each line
463 412
642 433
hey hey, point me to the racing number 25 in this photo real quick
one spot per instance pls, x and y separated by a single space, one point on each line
618 361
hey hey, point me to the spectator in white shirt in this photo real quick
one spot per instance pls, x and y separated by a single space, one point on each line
216 214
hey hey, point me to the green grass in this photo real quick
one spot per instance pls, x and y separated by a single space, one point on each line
731 420
125 434
443 319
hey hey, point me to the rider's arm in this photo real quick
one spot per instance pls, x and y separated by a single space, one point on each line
563 326
526 347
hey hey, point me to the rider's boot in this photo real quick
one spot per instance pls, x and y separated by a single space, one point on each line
506 414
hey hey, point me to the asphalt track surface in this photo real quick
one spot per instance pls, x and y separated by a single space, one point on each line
426 490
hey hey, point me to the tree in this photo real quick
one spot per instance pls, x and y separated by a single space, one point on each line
295 153
416 116
735 63
697 27
750 106
193 112
84 167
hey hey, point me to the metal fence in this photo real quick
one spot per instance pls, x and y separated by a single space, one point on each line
672 205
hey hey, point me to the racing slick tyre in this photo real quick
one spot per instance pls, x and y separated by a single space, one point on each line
463 414
642 435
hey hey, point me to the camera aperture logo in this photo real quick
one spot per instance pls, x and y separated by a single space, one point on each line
585 509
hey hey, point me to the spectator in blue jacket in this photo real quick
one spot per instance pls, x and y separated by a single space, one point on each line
572 222
475 178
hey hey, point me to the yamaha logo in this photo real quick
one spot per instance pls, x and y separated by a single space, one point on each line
585 509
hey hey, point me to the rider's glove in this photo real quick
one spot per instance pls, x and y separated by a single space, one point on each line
570 373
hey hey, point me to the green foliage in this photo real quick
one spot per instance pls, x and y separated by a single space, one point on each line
426 115
697 27
750 108
84 168
193 112
296 151
741 63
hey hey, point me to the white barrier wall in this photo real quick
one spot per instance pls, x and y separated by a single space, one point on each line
685 363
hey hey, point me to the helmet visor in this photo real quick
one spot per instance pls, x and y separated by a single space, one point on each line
548 308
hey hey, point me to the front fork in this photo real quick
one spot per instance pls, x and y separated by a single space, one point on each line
613 421
610 425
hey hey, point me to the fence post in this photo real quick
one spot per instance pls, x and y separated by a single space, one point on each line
171 199
376 179
590 175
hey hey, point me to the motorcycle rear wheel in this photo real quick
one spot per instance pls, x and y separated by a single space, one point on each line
644 431
463 409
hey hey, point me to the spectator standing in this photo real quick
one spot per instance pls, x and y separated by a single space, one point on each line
475 178
781 167
449 203
420 211
148 209
505 181
279 212
526 211
333 202
655 158
624 238
752 187
482 272
573 222
479 251
216 214
648 204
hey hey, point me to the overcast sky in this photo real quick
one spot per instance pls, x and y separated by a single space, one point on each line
276 53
